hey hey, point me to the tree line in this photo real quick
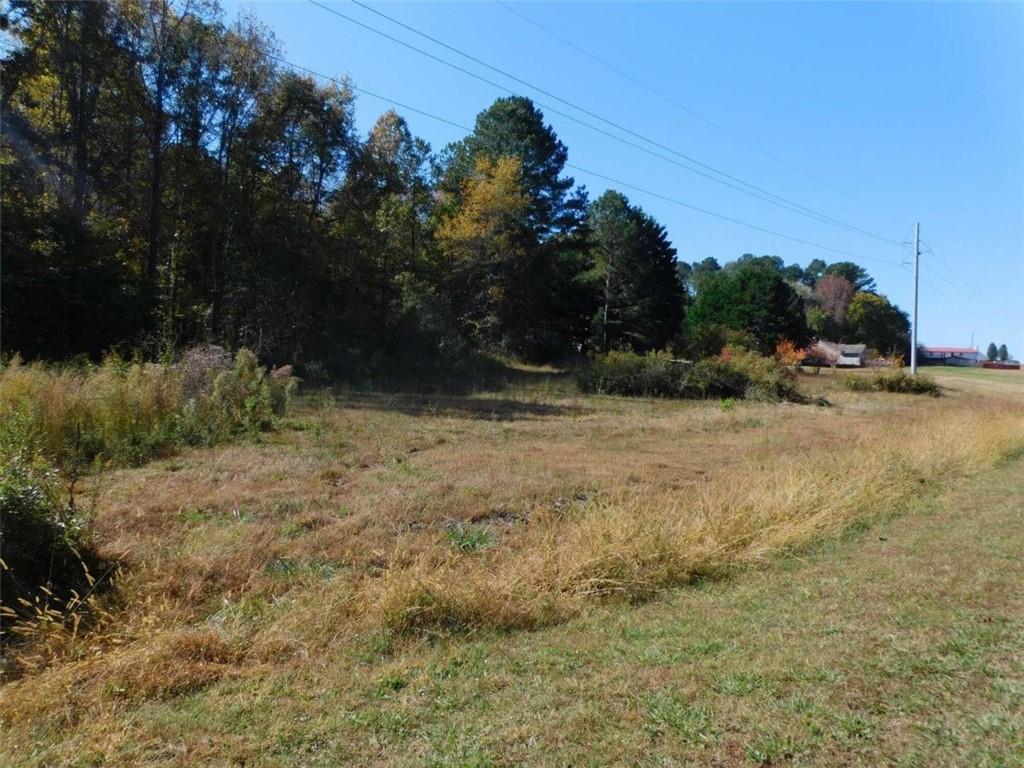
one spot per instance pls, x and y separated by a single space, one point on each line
166 181
1000 353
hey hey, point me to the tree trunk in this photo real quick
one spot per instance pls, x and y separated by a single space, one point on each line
155 180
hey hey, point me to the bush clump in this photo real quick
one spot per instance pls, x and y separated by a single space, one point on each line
736 373
46 557
897 380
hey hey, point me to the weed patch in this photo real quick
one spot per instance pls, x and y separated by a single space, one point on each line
896 381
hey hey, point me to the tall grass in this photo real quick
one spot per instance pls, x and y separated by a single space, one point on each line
125 412
631 548
56 421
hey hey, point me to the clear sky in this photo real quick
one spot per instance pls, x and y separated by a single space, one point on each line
908 111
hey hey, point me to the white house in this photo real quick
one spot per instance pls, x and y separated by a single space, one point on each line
840 355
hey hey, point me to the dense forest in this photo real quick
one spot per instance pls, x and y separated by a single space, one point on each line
167 181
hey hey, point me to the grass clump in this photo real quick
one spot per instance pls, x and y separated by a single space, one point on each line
735 373
56 421
669 713
896 380
468 539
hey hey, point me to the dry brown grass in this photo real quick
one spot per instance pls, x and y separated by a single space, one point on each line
244 556
632 547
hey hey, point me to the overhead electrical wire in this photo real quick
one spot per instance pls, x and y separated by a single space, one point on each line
705 211
964 284
668 99
754 191
958 300
642 190
370 93
934 287
581 169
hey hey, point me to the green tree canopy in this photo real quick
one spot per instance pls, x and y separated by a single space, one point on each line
854 273
993 351
641 298
555 305
514 127
752 297
874 321
814 270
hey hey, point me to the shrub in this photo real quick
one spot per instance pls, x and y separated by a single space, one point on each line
655 374
123 411
199 367
766 378
47 560
248 399
736 373
714 377
896 380
787 353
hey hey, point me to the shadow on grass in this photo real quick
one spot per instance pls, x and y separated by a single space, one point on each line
486 408
468 377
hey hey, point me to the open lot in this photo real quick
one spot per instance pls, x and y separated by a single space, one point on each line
526 575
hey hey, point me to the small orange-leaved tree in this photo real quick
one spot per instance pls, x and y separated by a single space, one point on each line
787 353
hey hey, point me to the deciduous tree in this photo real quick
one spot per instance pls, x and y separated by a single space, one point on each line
874 321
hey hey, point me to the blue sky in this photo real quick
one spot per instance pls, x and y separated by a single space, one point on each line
909 112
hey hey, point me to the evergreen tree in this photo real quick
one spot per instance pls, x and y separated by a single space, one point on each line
813 272
554 303
641 298
993 351
751 296
854 273
1004 353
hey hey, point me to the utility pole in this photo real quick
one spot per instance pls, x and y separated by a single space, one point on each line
913 328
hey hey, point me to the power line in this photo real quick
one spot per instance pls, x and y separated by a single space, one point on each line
707 212
965 285
758 193
930 277
664 97
366 92
621 183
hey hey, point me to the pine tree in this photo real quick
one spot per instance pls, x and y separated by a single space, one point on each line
554 305
641 297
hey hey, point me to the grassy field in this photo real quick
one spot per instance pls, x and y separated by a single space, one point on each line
529 576
951 375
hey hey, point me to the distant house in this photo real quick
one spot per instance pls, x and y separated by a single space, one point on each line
963 356
840 355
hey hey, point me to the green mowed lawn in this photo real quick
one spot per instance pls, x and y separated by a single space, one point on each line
901 643
975 374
